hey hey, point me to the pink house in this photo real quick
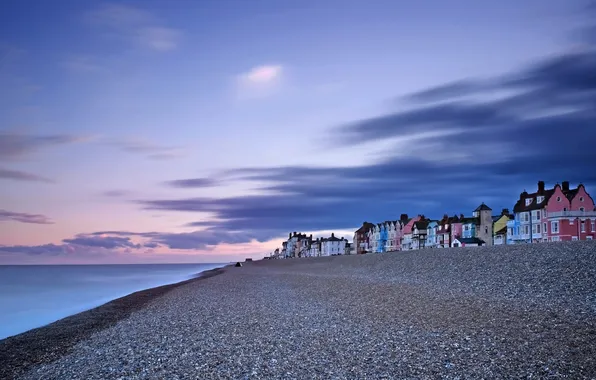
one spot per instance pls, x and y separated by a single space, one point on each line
406 240
456 227
557 214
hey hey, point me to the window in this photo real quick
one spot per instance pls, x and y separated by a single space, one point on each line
583 226
581 209
554 227
486 230
540 199
545 214
588 237
581 199
536 229
536 215
593 229
554 238
526 230
544 227
528 201
574 238
570 221
558 199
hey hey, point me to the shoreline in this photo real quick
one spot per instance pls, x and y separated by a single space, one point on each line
42 345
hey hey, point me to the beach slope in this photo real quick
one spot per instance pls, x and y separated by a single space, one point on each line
496 312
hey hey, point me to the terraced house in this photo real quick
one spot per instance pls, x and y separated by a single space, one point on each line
557 214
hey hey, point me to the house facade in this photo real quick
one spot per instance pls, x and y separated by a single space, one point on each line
419 233
333 246
361 238
407 234
431 234
557 214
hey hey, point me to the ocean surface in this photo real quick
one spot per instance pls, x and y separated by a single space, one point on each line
35 295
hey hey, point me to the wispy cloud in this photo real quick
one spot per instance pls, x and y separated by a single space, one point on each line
260 81
148 149
192 183
9 216
116 193
84 64
261 75
22 176
135 25
14 146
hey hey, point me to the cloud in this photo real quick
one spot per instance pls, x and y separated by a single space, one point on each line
24 217
37 250
116 193
14 146
107 242
192 183
202 239
454 146
262 74
159 38
258 82
148 149
22 176
136 26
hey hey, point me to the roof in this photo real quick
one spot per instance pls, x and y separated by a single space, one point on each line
366 226
483 207
502 231
468 220
473 240
421 224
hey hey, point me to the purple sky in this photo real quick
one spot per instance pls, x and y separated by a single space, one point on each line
160 131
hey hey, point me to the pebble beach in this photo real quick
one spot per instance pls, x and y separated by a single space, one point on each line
504 312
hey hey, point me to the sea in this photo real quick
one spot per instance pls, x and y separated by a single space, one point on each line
33 296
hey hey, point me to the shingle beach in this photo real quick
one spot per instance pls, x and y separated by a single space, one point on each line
523 311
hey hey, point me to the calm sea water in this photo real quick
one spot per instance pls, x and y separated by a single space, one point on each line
33 296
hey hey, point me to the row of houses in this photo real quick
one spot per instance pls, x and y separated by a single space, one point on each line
301 245
560 213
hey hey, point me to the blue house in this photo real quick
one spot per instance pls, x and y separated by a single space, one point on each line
513 230
468 227
431 234
382 238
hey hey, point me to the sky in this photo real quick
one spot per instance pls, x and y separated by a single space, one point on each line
206 131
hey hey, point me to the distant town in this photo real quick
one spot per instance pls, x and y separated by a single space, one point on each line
546 215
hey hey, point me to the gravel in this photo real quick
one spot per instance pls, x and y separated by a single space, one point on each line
524 311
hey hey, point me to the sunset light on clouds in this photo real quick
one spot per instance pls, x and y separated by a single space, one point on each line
144 131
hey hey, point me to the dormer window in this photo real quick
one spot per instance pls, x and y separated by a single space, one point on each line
528 201
540 199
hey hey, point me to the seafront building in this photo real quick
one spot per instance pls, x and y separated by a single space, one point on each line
560 213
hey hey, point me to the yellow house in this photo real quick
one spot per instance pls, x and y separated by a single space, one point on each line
500 227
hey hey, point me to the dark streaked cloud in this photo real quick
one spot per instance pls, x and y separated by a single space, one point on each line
192 183
202 239
18 175
107 242
149 150
116 193
46 249
24 217
463 143
15 146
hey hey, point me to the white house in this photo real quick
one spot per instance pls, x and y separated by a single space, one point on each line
315 248
333 246
467 242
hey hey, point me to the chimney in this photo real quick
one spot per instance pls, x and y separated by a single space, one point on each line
505 211
310 237
541 186
565 185
461 216
332 234
403 217
290 235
